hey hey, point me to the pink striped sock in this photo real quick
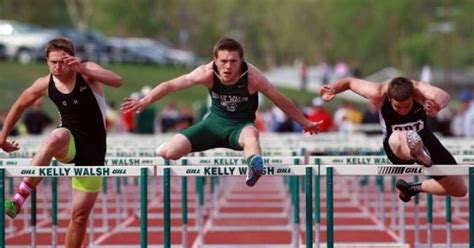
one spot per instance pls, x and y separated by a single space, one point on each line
19 199
24 190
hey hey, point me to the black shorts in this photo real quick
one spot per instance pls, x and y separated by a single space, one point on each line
439 154
90 148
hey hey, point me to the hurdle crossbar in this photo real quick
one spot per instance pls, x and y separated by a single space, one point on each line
386 170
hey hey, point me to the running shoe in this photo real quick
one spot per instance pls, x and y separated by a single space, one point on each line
255 170
12 208
405 190
418 149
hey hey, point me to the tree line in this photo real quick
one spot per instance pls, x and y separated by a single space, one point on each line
371 33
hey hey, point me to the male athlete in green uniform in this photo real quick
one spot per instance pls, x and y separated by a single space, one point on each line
233 86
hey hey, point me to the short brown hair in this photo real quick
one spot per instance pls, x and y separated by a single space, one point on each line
400 89
228 44
60 44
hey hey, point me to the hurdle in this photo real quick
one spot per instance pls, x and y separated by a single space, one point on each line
185 162
109 161
347 170
241 163
209 167
357 160
68 171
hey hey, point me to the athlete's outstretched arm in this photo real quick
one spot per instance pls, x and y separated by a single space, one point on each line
433 97
370 90
93 71
26 99
201 75
259 82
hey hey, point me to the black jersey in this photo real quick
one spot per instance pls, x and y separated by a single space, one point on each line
414 120
233 101
392 121
82 112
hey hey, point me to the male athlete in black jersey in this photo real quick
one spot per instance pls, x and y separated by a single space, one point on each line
75 88
233 86
404 105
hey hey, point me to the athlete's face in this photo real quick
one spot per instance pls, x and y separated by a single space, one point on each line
56 65
228 64
403 107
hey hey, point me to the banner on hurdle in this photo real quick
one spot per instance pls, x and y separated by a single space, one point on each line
350 160
392 170
109 161
291 160
15 161
241 170
232 153
133 161
371 160
77 171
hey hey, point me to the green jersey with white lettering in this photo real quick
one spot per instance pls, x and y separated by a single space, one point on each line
233 102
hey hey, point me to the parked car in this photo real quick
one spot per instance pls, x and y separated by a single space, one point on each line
140 50
180 57
77 38
98 47
90 44
24 42
118 50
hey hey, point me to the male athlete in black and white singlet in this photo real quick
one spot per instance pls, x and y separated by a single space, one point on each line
82 112
75 88
404 105
414 120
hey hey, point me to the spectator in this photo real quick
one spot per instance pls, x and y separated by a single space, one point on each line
145 121
260 122
14 131
468 119
426 74
353 114
112 118
185 119
443 119
170 117
303 76
279 121
357 70
320 114
341 70
129 118
341 114
371 115
36 120
324 72
286 126
457 123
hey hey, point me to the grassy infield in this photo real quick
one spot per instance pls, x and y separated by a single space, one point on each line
14 78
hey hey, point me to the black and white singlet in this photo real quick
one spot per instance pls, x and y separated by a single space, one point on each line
415 120
82 112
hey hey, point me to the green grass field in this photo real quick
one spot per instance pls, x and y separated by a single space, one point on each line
14 78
